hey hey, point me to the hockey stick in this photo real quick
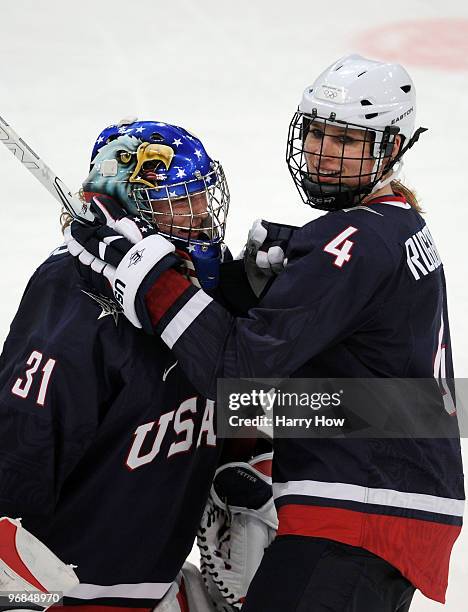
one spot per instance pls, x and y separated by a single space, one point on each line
22 151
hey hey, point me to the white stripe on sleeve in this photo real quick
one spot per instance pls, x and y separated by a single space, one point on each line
185 317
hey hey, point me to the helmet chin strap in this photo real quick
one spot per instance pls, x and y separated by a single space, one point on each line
398 165
394 173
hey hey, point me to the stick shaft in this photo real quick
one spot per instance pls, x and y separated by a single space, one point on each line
23 152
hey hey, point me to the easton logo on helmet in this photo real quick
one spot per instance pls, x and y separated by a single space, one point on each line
408 112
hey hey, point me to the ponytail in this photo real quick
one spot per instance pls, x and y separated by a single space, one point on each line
407 193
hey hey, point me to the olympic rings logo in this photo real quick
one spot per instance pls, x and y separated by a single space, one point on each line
331 94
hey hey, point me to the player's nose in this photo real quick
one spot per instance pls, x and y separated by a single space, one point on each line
329 146
199 212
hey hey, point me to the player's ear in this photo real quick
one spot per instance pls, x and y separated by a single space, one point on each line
396 145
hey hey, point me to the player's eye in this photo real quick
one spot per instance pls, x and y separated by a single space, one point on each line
316 133
346 140
124 157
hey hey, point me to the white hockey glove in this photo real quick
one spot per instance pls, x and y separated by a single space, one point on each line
28 566
265 252
266 245
118 255
238 524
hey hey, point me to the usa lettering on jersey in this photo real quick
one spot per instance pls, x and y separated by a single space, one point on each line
421 253
183 426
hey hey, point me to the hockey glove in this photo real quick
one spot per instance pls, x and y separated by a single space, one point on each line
266 245
28 567
121 256
238 524
264 254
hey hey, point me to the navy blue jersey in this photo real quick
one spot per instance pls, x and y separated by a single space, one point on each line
363 295
107 451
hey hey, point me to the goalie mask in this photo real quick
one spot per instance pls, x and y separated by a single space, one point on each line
163 174
351 129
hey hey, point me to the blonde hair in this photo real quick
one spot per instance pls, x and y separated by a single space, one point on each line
65 219
400 189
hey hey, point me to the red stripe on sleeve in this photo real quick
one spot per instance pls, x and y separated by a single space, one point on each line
164 293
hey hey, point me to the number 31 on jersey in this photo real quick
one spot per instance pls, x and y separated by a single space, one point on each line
22 386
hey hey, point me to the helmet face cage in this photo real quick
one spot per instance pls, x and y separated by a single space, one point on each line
198 217
355 159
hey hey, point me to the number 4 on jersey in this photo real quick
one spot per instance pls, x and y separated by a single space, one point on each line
22 386
341 247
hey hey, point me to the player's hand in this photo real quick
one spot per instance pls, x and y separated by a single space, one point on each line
120 255
266 246
264 253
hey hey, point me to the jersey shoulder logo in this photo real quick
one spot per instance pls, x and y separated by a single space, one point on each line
108 306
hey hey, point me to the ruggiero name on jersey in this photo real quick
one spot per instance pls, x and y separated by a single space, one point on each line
421 253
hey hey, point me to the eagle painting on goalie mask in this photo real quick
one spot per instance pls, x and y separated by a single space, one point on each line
144 163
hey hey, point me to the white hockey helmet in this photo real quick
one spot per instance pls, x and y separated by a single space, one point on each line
365 93
356 93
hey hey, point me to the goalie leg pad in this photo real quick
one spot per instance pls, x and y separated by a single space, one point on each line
26 564
187 594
